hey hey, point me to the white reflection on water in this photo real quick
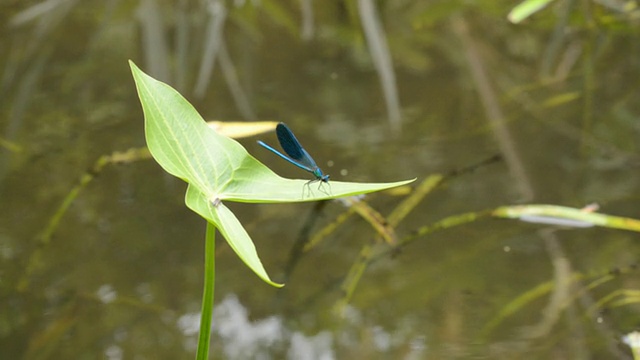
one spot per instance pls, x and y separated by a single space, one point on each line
243 338
311 347
113 352
107 294
236 336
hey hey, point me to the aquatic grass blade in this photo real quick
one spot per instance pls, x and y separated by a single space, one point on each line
526 9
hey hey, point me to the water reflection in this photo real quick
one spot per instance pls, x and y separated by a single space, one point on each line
242 336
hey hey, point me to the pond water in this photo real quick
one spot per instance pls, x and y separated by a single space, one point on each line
376 92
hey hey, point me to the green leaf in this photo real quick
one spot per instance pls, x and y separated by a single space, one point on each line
231 228
219 169
526 9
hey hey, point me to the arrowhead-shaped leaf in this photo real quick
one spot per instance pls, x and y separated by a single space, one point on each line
218 168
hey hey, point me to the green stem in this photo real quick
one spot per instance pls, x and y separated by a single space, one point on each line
207 297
